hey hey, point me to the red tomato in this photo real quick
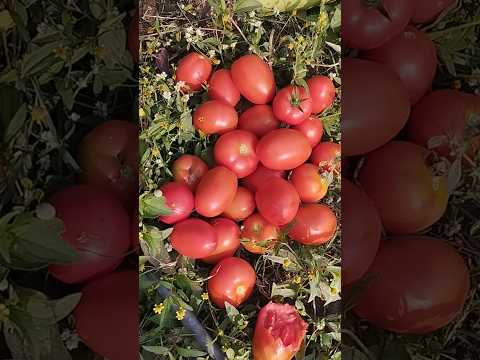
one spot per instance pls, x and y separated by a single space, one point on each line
292 105
312 128
228 240
279 332
215 192
215 117
258 119
373 97
367 26
259 235
97 319
309 182
232 280
419 285
194 238
361 231
427 10
97 226
260 177
254 78
326 155
133 37
283 149
242 206
180 201
315 224
322 92
108 157
194 70
221 87
408 195
236 151
189 170
277 201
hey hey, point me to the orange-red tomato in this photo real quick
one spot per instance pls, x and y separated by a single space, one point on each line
292 105
326 155
310 183
428 10
312 128
259 119
194 238
260 177
322 92
315 224
194 70
215 117
228 240
242 206
189 170
179 199
133 38
221 87
258 234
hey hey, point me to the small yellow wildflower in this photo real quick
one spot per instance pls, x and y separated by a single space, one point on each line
141 112
158 308
180 314
286 263
155 152
141 267
297 279
205 296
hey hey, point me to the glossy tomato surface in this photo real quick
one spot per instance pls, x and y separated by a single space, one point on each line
261 176
310 183
228 240
322 92
258 234
194 70
428 10
133 39
221 87
314 224
326 155
215 117
292 105
179 199
258 119
189 170
277 201
194 238
242 206
312 128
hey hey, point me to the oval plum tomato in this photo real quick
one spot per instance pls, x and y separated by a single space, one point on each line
194 238
259 119
242 206
427 10
292 105
409 196
216 191
221 87
314 224
194 70
189 170
309 182
413 57
108 157
361 232
419 284
283 149
373 97
236 151
312 128
97 319
367 24
279 332
260 177
254 78
258 234
326 155
97 226
232 280
179 199
228 240
322 92
215 117
133 39
277 201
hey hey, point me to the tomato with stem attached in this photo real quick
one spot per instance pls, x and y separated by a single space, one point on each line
258 234
292 105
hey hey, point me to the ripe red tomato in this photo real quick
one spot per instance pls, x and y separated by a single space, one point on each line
97 226
279 332
322 92
419 285
413 57
373 97
236 151
277 201
242 206
326 155
133 37
179 199
228 240
215 117
194 238
221 87
258 234
366 26
312 128
407 194
232 280
259 119
189 170
292 105
108 157
260 177
216 191
315 224
310 183
254 78
97 319
194 70
283 149
427 10
361 232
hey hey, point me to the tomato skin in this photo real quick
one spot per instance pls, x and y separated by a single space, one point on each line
407 195
194 70
98 227
283 149
133 37
260 176
228 240
258 119
216 191
236 151
292 105
312 128
421 285
327 155
221 87
427 10
254 78
189 170
322 92
179 199
232 280
215 117
279 332
309 183
314 224
277 201
242 206
194 238
258 234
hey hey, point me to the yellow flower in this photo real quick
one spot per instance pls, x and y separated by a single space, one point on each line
158 308
141 267
297 279
180 314
286 263
141 112
205 296
39 114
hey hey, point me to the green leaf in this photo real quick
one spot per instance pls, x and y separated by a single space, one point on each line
158 350
6 21
283 290
98 8
39 59
16 123
190 352
152 206
232 312
49 312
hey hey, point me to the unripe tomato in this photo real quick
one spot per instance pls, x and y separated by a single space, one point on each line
228 240
221 87
259 119
242 206
292 105
189 170
194 70
258 234
133 37
277 201
428 10
215 117
326 155
322 92
314 224
312 128
194 238
260 177
232 280
310 183
179 199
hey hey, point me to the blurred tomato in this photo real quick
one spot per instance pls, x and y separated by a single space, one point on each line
277 201
221 87
215 117
310 183
428 10
312 128
242 206
292 105
259 119
322 92
326 155
260 177
258 234
314 224
189 170
194 238
228 240
179 199
194 70
133 39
